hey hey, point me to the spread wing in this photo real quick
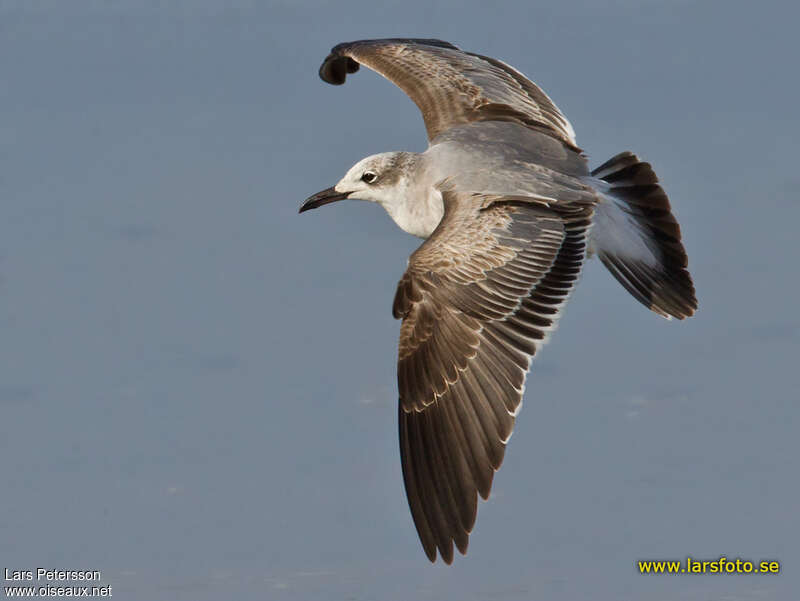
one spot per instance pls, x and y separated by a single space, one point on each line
451 87
478 299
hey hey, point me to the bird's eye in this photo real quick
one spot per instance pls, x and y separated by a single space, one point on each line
369 177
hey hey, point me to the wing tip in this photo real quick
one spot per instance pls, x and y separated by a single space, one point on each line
335 67
338 63
447 554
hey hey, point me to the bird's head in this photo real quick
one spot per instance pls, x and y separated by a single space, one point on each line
380 178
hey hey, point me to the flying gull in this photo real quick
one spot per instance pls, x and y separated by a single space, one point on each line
509 212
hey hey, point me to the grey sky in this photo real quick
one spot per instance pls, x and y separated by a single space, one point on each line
197 385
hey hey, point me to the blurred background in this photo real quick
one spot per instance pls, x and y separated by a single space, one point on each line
197 385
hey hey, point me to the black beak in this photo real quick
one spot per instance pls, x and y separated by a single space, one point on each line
322 198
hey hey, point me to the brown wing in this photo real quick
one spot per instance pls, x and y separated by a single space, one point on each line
478 299
451 87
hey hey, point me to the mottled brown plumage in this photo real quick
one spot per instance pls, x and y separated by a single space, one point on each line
478 299
509 209
451 87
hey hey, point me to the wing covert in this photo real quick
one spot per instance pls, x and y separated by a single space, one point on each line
478 299
451 87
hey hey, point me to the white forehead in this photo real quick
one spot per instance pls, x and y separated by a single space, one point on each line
375 162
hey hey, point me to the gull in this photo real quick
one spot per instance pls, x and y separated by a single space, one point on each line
509 212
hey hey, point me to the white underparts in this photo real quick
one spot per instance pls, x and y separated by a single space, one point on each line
417 214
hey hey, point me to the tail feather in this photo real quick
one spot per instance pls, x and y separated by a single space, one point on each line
639 240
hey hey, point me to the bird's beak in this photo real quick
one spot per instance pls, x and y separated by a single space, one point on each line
322 198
